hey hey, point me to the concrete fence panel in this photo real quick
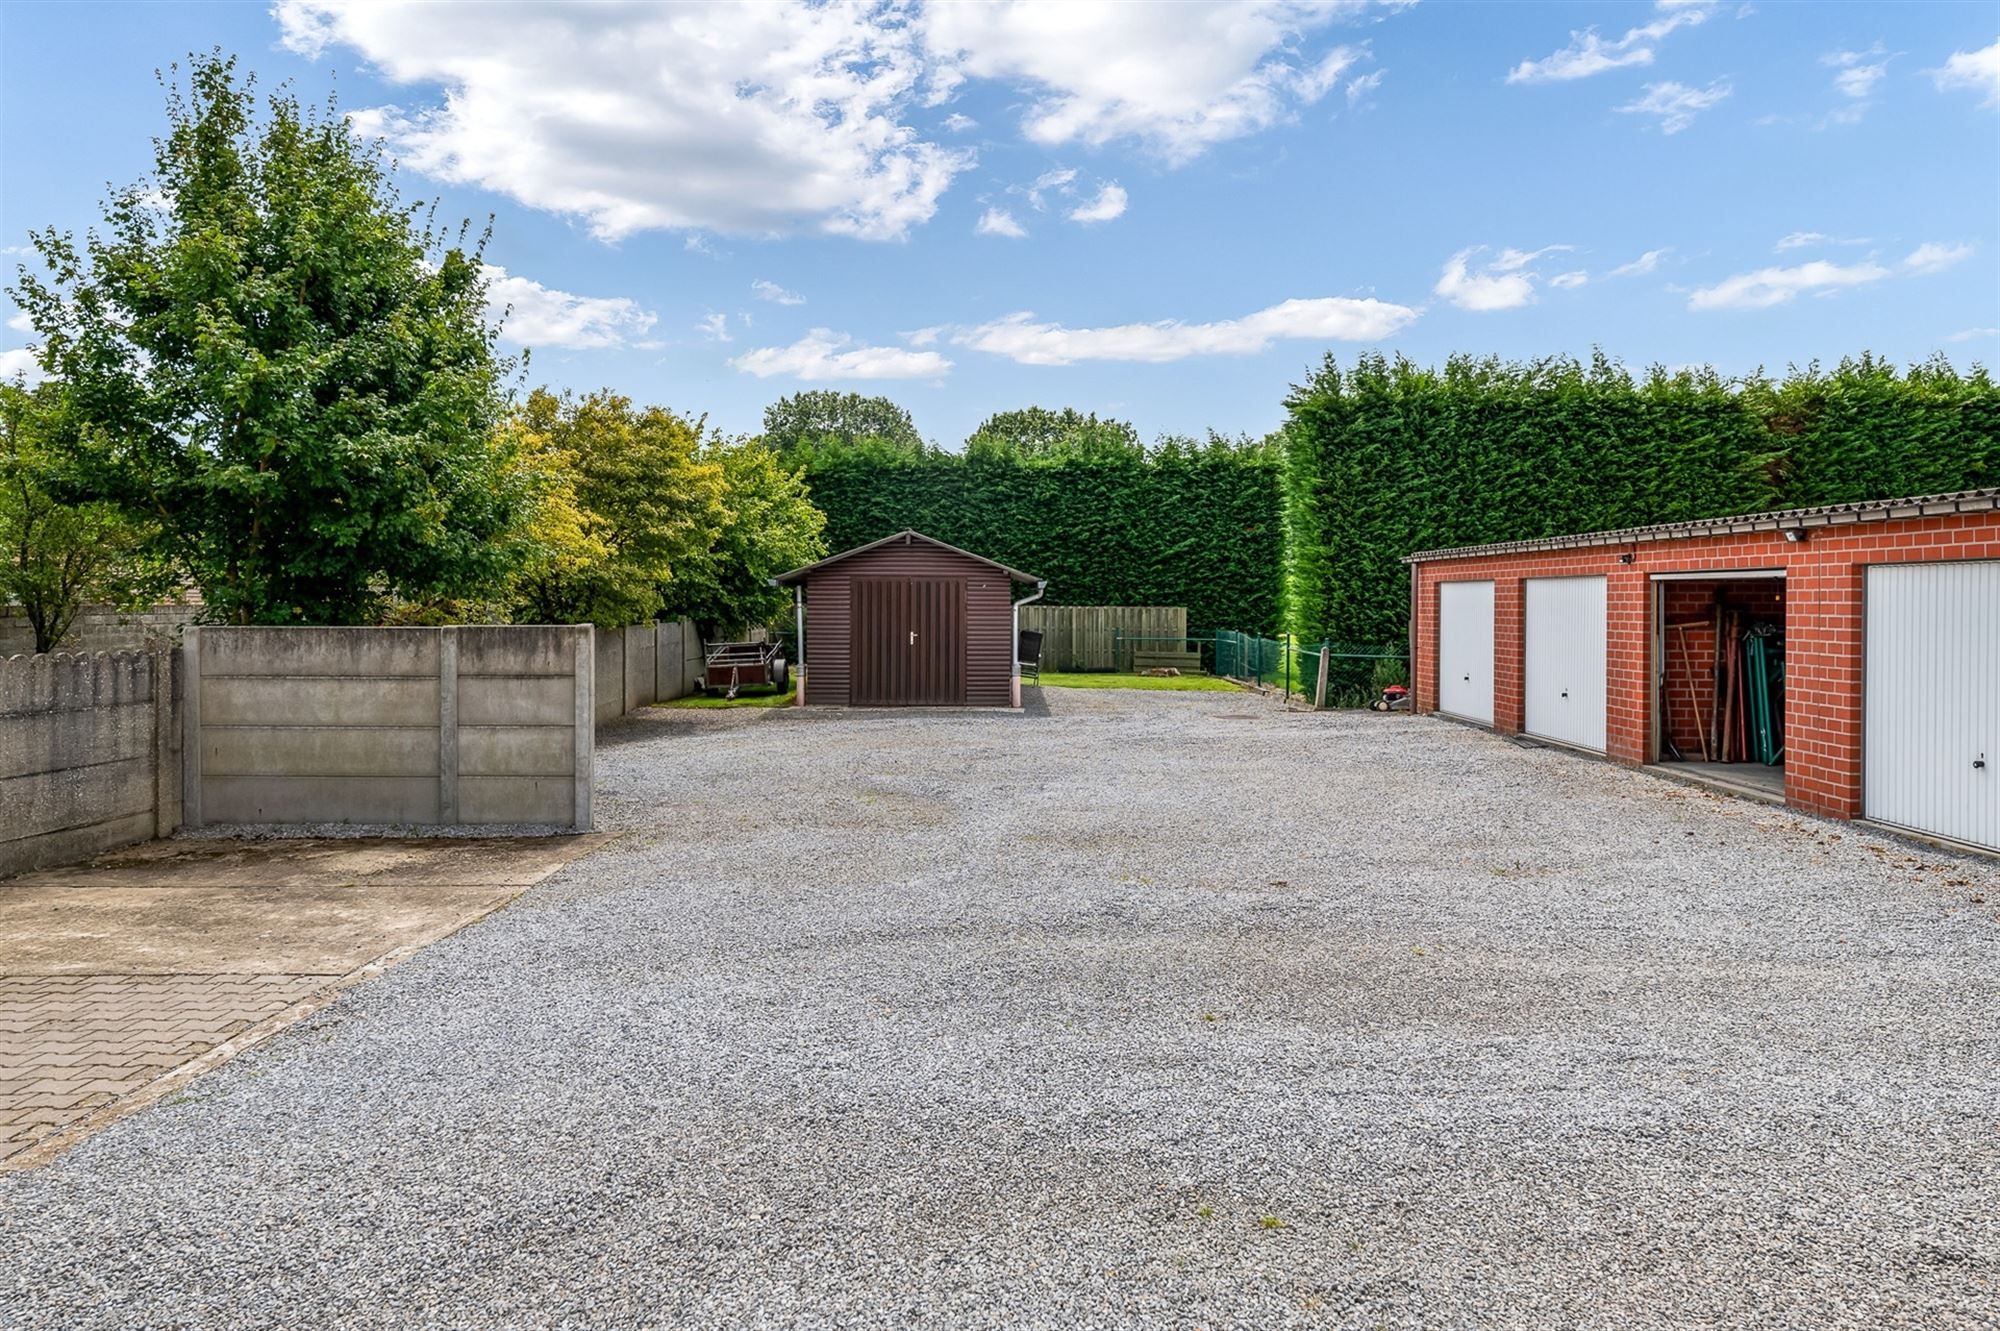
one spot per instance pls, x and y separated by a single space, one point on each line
412 727
89 755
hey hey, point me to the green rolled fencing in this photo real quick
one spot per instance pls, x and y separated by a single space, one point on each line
1764 684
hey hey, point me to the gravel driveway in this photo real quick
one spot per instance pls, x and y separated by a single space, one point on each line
1135 1010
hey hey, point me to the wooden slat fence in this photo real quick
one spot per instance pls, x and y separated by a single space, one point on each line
1084 637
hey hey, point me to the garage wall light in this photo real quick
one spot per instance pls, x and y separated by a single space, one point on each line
1626 558
1796 535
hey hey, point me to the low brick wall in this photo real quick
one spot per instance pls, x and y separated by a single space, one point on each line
417 727
89 755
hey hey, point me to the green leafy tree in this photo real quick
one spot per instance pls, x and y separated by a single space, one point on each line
769 525
1038 432
284 367
628 504
57 554
822 417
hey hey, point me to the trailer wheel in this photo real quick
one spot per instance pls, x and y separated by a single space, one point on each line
781 672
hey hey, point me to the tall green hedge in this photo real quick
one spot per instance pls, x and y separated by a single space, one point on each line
1192 526
1386 458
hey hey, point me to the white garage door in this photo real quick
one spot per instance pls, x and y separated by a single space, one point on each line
1563 671
1930 746
1465 650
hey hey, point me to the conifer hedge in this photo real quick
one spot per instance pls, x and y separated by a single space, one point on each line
1386 458
1200 527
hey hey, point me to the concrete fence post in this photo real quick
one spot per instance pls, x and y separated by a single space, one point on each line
191 815
585 658
448 725
167 776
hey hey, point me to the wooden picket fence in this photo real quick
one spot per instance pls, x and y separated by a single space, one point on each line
1094 637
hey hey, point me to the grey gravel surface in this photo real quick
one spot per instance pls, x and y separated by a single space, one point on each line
1136 1010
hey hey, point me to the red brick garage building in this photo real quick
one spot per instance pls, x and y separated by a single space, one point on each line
908 621
1876 657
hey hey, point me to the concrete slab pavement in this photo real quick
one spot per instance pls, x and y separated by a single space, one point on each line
125 977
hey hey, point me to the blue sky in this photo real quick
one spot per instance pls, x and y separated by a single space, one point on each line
1166 213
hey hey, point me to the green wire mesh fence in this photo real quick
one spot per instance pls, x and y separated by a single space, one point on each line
1356 674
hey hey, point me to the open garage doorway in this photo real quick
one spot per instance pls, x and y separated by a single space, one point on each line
1719 654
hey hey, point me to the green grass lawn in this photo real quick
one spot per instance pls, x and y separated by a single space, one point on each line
752 696
1169 683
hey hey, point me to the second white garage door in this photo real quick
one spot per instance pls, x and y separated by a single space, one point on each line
1465 650
1563 667
1930 744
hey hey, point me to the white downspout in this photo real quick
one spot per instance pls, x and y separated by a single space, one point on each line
1015 648
799 619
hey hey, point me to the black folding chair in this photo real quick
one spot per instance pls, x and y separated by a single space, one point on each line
1029 654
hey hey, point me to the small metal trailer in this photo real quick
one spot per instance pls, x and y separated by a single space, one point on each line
731 665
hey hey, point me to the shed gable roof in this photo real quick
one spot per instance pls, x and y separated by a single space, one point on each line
905 537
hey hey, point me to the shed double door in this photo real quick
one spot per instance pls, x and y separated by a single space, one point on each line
1562 671
908 642
1930 743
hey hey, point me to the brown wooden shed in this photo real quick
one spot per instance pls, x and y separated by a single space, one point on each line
908 621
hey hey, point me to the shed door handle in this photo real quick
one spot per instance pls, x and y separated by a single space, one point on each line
1979 762
913 637
1565 693
1468 679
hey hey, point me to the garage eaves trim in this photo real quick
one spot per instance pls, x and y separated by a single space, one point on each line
1828 515
905 536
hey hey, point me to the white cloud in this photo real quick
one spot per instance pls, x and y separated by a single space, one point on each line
1570 280
1360 89
999 222
1978 70
823 355
1645 263
1060 179
777 295
1855 75
1496 288
1973 334
20 322
1777 286
715 327
1857 71
1799 240
1175 78
1020 338
539 316
1588 53
20 364
958 124
1934 257
1109 203
1511 260
738 118
1676 104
